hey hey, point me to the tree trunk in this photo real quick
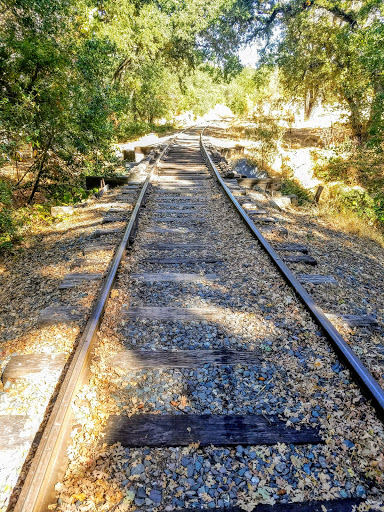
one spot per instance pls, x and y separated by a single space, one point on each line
40 168
309 102
357 123
375 114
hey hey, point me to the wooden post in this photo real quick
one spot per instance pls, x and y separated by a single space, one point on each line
318 193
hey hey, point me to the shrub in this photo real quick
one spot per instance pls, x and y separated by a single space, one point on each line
359 201
7 229
7 224
290 186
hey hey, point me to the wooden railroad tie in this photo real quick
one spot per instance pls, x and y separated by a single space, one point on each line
300 258
74 279
173 314
169 359
292 248
98 247
24 365
346 505
355 320
179 185
183 260
173 278
181 230
181 220
181 202
177 206
110 220
106 232
183 211
177 173
119 210
156 430
60 315
264 219
123 199
175 246
184 178
279 230
316 279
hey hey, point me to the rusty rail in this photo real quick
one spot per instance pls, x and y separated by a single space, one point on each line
367 382
48 464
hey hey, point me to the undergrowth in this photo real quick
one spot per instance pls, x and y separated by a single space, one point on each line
8 226
290 186
356 183
349 222
138 129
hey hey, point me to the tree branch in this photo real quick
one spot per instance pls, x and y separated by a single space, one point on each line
291 10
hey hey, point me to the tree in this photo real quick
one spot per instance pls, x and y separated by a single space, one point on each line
325 48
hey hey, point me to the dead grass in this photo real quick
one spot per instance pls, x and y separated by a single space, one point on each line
349 223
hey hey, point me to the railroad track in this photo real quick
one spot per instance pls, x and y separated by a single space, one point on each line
203 366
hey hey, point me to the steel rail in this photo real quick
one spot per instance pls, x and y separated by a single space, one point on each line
48 463
367 382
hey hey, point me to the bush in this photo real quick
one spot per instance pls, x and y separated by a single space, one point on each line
5 193
132 130
7 229
7 224
293 187
359 201
67 194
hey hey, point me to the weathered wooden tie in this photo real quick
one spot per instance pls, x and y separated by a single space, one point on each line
24 365
106 232
111 220
292 248
12 432
316 279
181 220
264 219
60 315
173 277
355 320
346 505
259 212
184 177
184 211
182 260
157 430
177 247
98 247
173 314
300 258
163 359
181 230
74 279
273 229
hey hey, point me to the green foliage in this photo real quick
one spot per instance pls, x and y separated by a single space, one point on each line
201 91
266 135
60 194
366 206
132 130
7 223
5 193
358 183
291 186
7 229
